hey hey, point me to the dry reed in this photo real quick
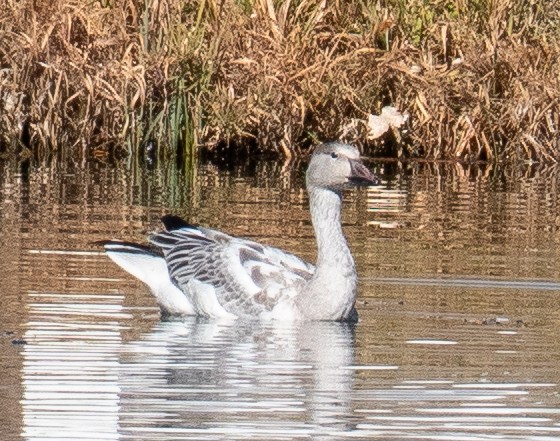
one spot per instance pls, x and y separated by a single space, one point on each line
479 79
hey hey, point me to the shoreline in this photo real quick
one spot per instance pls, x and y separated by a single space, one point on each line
479 82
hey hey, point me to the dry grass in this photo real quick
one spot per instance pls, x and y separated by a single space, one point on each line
479 79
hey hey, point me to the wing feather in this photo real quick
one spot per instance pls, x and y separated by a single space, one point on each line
248 278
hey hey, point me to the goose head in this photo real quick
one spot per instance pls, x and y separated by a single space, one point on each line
336 166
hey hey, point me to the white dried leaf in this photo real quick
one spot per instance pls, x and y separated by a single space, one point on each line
390 117
376 126
395 118
415 69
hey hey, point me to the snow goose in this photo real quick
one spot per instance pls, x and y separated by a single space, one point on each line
199 271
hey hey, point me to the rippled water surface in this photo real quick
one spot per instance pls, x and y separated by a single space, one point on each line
459 304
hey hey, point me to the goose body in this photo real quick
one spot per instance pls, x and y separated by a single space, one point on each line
199 271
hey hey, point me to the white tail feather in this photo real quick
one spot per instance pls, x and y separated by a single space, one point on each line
152 270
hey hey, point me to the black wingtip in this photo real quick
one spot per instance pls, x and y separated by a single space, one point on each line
172 222
124 246
113 242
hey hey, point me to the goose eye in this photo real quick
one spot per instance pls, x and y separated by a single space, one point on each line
334 155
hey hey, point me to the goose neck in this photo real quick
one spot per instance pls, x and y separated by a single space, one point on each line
325 206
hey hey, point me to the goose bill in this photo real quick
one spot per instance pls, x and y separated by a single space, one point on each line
361 175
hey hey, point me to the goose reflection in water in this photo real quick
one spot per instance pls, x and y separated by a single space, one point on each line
195 379
221 380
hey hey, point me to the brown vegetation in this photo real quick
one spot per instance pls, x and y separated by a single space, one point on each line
479 79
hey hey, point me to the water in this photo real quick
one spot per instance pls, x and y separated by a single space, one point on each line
458 299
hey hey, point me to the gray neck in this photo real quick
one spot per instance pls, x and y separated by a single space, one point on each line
325 206
330 294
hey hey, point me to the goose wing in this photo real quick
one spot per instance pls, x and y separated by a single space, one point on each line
225 275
